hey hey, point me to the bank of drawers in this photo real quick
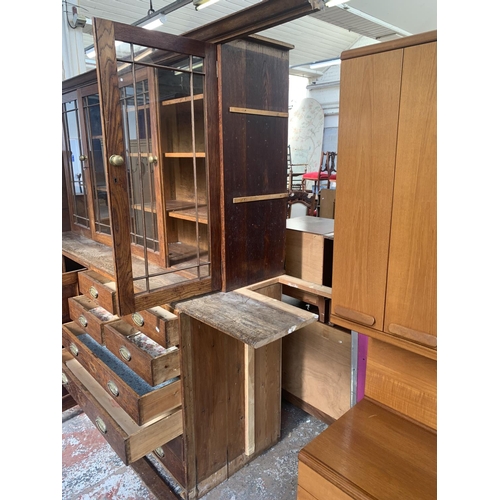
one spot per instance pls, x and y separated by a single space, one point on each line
124 376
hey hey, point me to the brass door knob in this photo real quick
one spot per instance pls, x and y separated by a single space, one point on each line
152 159
83 157
116 160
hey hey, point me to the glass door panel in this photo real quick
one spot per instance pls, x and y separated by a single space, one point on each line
154 108
95 148
75 162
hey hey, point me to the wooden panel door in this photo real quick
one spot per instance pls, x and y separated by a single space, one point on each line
369 109
411 282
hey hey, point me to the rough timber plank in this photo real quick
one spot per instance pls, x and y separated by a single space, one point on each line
249 317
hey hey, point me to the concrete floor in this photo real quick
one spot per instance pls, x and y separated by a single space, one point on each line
91 470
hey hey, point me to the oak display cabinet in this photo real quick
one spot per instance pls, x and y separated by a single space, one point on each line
174 167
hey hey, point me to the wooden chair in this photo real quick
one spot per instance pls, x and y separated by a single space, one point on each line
295 172
304 198
326 172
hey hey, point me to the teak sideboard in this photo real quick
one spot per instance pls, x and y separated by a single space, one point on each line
384 277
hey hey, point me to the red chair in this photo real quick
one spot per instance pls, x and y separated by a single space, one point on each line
326 172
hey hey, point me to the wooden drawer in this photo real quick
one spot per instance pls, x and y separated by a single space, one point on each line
69 289
171 455
98 288
147 358
140 400
90 316
157 323
129 440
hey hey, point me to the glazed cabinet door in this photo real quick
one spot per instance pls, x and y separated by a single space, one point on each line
369 109
412 276
155 92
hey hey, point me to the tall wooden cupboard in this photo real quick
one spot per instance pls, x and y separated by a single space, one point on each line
384 271
174 167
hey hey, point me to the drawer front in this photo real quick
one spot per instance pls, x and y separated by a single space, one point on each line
99 288
158 324
140 400
90 316
129 440
171 455
69 289
147 358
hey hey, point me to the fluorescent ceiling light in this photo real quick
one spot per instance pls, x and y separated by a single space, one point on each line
322 64
332 3
154 22
201 4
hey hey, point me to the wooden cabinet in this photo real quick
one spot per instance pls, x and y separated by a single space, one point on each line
176 163
174 155
384 269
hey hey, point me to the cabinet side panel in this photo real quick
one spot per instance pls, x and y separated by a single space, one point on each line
412 277
403 381
254 78
218 399
369 103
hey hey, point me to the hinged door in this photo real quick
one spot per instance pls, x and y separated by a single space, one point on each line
158 159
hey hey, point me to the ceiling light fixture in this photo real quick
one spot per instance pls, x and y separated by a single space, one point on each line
333 3
154 19
322 64
201 4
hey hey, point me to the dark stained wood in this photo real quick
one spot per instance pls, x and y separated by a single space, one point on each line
213 164
254 161
116 176
373 453
254 19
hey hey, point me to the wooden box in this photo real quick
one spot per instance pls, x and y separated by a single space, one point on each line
99 288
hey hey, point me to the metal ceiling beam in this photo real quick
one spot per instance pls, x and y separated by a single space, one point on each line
258 17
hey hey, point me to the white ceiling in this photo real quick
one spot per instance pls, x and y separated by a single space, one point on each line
316 37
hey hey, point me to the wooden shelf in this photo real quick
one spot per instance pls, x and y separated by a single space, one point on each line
178 205
147 207
182 100
190 214
185 155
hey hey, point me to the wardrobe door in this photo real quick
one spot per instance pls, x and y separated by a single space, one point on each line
369 109
411 282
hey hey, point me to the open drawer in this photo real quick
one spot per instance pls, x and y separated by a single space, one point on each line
129 440
140 400
90 316
99 288
151 361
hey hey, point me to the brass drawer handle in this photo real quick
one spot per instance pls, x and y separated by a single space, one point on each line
99 422
93 292
125 353
83 321
358 317
113 388
410 334
65 379
73 349
159 452
138 319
